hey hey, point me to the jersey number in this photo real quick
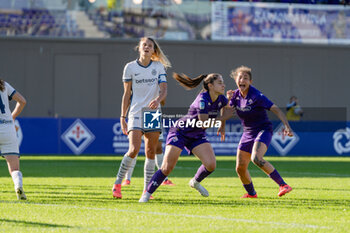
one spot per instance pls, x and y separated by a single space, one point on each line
2 106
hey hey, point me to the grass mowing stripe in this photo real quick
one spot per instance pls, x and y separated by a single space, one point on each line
280 224
281 171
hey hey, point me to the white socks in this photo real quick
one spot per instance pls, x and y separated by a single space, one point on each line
148 171
159 160
124 167
131 169
17 179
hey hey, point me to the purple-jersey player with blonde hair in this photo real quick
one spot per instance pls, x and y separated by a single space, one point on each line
206 107
251 106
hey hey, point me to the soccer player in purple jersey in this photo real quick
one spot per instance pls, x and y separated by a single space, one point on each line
251 106
205 107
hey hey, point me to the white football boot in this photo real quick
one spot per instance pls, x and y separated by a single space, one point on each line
145 197
196 185
20 194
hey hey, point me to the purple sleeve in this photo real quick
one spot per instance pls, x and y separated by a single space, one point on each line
265 102
224 101
232 102
203 106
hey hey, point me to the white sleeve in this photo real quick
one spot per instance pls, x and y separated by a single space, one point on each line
10 90
162 74
127 77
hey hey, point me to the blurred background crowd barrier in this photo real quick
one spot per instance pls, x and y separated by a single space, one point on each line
104 136
304 21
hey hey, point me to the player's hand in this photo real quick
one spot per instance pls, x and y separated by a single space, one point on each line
288 132
228 112
229 94
221 132
124 125
154 104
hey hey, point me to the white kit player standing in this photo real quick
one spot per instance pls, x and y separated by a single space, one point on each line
8 139
145 86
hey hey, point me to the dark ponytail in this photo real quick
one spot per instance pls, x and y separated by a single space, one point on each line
2 85
189 83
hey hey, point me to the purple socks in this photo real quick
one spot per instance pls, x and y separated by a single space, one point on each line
277 177
250 188
156 180
202 172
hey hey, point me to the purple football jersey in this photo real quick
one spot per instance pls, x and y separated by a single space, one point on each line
201 105
252 109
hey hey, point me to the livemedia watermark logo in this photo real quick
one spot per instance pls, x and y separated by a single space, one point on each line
155 119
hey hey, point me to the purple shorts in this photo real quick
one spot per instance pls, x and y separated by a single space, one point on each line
248 139
181 141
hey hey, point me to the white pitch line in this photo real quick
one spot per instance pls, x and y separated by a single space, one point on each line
280 224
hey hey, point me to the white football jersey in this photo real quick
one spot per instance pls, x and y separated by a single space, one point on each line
145 84
6 95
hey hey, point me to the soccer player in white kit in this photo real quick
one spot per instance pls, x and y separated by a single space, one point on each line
159 161
8 137
145 86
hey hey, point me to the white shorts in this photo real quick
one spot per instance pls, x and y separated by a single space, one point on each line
8 140
135 123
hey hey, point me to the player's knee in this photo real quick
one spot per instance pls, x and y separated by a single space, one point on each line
133 152
150 151
166 170
258 161
211 167
240 169
159 150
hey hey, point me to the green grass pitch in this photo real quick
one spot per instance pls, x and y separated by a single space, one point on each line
73 194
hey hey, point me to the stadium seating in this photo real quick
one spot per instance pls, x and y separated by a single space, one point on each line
38 22
192 20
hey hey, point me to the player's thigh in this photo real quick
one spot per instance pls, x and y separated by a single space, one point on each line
12 162
242 159
259 150
261 144
161 139
151 142
151 139
134 142
206 155
159 149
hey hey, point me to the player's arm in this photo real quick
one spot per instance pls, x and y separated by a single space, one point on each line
125 105
21 102
203 117
277 111
226 113
161 97
221 130
126 98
